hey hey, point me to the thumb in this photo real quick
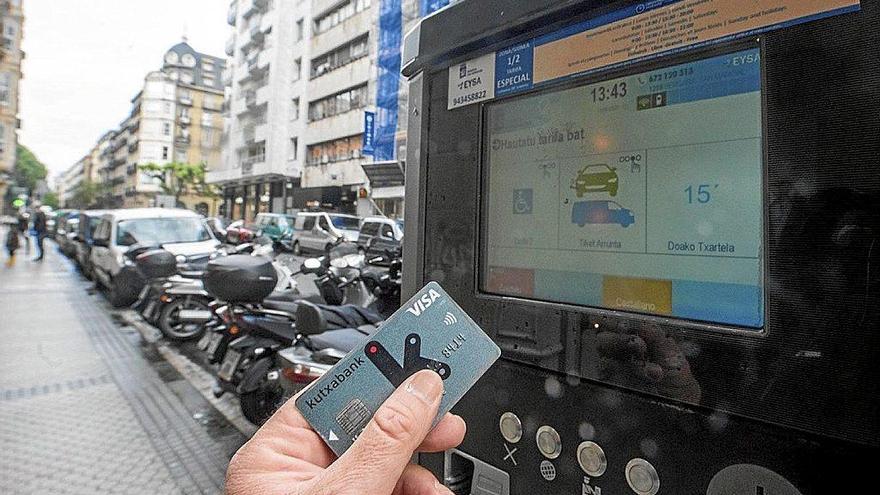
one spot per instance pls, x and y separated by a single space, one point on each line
375 462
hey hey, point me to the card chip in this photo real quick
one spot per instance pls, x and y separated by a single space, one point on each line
353 417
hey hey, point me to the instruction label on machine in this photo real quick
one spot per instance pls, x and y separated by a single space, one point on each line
641 31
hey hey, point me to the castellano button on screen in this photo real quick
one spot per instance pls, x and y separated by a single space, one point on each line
549 442
511 427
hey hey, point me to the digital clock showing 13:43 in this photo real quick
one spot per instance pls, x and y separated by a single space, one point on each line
607 92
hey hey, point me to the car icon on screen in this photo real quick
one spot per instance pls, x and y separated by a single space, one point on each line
596 178
601 212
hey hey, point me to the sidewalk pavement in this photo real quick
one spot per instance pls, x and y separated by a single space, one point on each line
85 406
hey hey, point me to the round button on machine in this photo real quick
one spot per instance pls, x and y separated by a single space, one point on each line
549 442
642 477
592 459
511 427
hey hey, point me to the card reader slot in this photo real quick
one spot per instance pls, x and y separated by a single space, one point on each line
466 475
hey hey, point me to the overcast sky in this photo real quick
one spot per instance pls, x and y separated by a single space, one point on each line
86 59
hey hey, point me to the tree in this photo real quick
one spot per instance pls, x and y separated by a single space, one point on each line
51 199
86 194
180 179
28 169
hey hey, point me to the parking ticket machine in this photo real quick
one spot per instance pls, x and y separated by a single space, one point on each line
667 215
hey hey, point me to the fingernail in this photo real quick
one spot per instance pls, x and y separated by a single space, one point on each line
426 385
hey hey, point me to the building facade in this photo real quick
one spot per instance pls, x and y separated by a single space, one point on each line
176 117
305 78
11 55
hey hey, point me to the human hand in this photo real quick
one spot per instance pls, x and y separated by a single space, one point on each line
287 457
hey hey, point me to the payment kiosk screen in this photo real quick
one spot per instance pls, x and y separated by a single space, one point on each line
642 193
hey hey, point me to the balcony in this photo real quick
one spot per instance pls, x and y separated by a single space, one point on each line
184 120
254 7
131 169
230 46
133 147
186 100
182 140
232 13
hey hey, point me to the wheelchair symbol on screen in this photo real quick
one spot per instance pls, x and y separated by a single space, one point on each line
523 201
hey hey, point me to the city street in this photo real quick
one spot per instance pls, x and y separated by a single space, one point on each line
88 404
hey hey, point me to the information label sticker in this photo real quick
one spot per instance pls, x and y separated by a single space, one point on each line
472 81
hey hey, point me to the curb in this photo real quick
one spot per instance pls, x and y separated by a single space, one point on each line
203 381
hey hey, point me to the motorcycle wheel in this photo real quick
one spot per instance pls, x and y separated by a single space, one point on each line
259 405
173 328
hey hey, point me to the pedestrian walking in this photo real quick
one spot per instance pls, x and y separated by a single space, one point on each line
40 225
24 220
12 244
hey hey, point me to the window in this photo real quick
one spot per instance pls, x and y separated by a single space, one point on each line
387 232
164 152
166 129
340 14
334 151
294 149
207 120
294 109
5 88
309 223
167 107
297 69
208 138
339 103
184 112
322 222
299 30
339 57
370 228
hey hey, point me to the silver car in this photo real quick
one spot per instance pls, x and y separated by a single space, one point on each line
318 231
182 232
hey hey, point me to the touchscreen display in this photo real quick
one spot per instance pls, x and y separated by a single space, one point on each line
642 193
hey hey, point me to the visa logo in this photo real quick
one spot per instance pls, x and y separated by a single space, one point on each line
423 302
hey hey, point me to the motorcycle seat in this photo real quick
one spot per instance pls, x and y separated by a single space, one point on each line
279 329
343 339
313 319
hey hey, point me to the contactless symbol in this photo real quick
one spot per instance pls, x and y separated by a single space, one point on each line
412 360
450 319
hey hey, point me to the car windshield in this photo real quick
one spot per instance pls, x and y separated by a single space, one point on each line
345 223
400 224
157 231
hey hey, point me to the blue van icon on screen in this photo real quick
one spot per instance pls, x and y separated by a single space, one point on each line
601 212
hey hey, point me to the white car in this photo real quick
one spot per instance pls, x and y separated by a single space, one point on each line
182 232
316 231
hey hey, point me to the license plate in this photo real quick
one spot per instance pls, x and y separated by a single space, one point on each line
230 363
195 315
204 341
216 338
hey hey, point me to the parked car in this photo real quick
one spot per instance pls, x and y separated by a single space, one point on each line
318 231
182 232
601 212
218 226
88 222
276 226
380 235
66 226
238 233
596 178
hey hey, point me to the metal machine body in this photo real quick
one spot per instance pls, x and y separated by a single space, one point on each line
615 395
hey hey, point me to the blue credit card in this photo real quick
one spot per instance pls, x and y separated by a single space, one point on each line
430 331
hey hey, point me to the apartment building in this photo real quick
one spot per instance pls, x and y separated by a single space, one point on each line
304 77
263 146
176 117
11 55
